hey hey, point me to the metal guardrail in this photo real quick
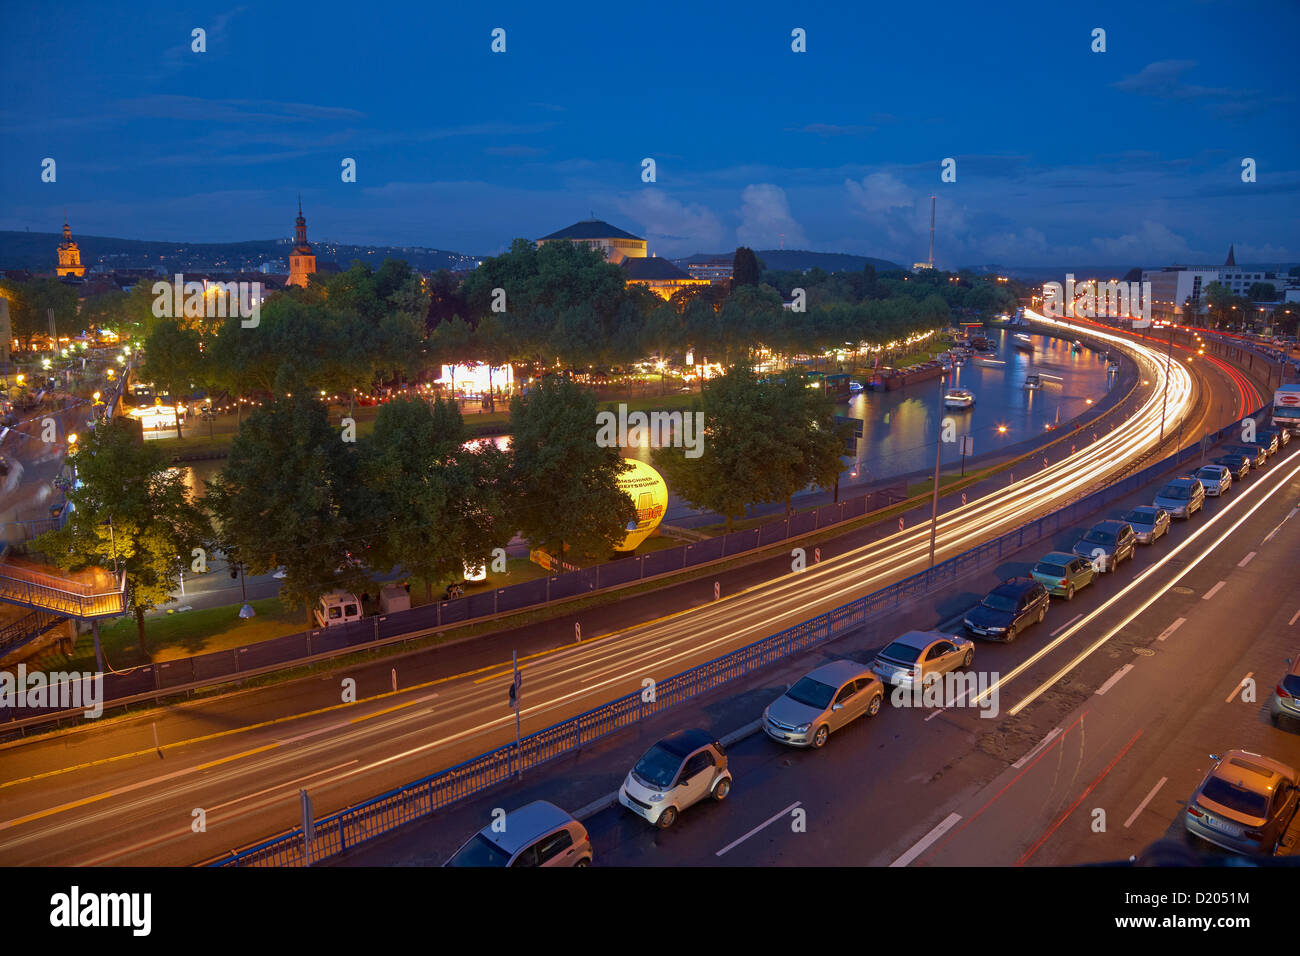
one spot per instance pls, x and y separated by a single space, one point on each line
36 590
336 833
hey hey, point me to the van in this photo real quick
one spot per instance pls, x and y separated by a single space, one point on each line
337 608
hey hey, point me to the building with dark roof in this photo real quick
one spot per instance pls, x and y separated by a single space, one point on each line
660 276
614 243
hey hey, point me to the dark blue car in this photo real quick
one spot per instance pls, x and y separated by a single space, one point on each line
1008 609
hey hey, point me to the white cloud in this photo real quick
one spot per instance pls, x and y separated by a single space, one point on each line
765 219
878 194
672 228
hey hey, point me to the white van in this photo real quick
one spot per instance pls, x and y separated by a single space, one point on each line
336 608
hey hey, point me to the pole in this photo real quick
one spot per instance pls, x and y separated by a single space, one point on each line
1164 401
514 663
938 448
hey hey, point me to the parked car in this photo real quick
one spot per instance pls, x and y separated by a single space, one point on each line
1286 696
1268 438
1281 436
1245 803
825 700
1106 544
1257 454
917 655
1238 464
1008 609
1063 574
677 772
538 834
1148 523
1182 497
1215 478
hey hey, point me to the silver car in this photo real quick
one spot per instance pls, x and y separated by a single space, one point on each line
1148 523
1245 803
1182 497
1216 479
1286 695
823 701
539 834
682 769
917 654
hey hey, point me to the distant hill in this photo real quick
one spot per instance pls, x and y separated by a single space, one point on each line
36 251
801 260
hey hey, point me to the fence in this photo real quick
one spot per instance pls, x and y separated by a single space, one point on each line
334 834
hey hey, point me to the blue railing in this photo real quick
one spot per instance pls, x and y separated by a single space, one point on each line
335 834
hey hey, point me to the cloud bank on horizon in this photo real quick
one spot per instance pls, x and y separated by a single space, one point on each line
1062 154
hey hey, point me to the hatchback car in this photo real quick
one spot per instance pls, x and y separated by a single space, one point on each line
1216 478
1280 435
1286 696
823 701
1148 523
682 769
1238 464
1245 803
1063 574
1257 454
1008 609
1182 497
539 834
918 655
1106 544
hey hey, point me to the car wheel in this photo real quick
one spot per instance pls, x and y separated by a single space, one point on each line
873 708
819 737
968 659
667 818
1069 593
583 862
722 789
1042 613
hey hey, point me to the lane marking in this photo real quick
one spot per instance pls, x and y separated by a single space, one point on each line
1113 679
1066 624
1037 747
924 843
278 786
1246 560
389 710
1294 618
1071 808
1171 628
770 820
1143 805
1212 591
1241 683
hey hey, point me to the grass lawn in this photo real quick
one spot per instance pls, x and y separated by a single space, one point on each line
921 487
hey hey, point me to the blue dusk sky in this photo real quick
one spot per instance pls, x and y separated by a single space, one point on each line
1131 156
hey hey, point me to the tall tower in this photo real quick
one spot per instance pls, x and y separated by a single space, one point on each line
932 232
69 255
302 262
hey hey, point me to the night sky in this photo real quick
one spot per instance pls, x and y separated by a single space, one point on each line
1130 156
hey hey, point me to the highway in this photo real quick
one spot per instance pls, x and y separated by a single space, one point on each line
100 797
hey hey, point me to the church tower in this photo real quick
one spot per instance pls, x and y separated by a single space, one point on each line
69 255
302 262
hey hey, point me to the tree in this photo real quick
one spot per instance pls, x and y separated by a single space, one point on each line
286 498
745 269
445 299
172 361
440 506
1261 292
565 486
131 510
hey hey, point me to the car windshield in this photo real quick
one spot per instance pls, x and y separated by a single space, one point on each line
903 653
999 602
1175 491
1140 517
658 767
1235 798
1051 570
1099 537
1210 473
812 693
480 851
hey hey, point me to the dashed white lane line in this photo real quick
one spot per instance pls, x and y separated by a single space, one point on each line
1065 625
925 842
1240 684
1171 628
1114 679
1143 805
1294 617
1056 732
1212 591
1246 560
770 820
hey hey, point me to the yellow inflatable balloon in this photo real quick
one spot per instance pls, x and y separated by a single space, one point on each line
649 495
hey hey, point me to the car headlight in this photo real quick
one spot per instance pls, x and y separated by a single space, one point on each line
996 628
656 797
802 728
